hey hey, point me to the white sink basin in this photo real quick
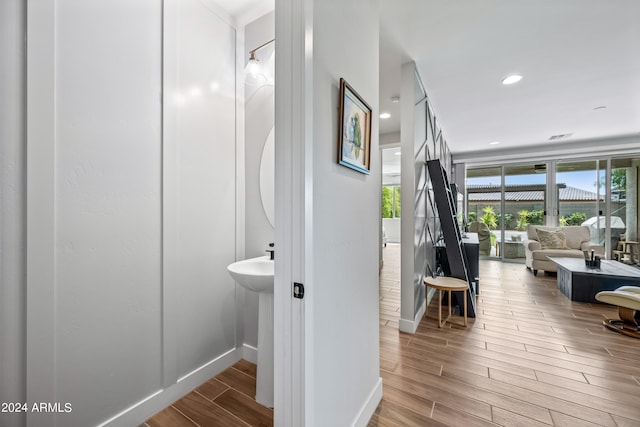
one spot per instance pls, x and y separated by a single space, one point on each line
255 274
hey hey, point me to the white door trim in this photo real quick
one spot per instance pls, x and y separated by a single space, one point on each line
293 189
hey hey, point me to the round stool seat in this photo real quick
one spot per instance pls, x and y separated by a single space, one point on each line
627 298
448 284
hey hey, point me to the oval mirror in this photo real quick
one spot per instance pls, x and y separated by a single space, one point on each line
268 178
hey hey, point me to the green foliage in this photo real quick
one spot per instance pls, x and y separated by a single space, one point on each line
387 202
523 220
536 217
489 217
576 218
508 221
619 179
472 216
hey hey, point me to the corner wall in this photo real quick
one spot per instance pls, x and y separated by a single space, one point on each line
422 140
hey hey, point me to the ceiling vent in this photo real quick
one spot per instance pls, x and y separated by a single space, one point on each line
560 136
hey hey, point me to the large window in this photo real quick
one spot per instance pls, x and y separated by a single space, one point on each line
391 201
601 194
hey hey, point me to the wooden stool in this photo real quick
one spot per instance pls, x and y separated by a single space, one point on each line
628 250
447 284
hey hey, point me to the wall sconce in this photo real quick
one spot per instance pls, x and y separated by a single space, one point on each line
254 72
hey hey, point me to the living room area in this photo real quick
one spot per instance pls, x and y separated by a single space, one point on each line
533 143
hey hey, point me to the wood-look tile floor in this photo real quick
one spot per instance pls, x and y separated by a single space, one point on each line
531 357
227 400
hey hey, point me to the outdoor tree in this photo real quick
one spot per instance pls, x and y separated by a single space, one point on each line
489 217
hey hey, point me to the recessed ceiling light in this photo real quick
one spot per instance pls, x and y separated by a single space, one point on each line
398 153
395 99
494 143
385 115
513 78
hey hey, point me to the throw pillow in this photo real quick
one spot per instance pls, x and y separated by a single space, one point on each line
552 239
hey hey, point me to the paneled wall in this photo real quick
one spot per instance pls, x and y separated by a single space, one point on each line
421 140
130 207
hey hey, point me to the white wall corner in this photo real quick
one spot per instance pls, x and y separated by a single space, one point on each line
369 406
250 353
410 326
165 397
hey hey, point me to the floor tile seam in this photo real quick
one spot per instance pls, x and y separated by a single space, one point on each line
244 423
520 415
604 390
581 367
217 395
474 391
560 398
401 404
531 365
486 420
570 365
237 391
439 391
243 373
186 416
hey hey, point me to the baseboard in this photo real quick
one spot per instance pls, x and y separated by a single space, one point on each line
249 353
410 326
143 410
369 406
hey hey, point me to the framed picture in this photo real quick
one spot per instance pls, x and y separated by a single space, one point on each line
354 150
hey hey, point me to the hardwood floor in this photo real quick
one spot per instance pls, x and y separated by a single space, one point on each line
227 400
531 357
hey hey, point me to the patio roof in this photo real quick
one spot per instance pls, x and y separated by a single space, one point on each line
527 193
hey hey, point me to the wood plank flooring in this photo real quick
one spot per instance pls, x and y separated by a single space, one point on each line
531 357
226 400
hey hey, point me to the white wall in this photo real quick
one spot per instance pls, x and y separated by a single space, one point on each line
346 221
12 210
259 121
130 207
392 229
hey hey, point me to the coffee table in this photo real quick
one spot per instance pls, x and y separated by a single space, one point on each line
580 283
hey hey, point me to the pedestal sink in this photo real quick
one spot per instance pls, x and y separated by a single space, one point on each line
256 274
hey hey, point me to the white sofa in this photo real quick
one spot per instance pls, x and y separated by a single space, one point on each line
577 241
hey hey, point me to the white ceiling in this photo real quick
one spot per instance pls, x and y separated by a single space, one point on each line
238 8
575 55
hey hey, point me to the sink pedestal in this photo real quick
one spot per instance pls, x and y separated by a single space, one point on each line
256 274
264 376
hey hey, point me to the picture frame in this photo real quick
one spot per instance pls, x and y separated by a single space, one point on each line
354 133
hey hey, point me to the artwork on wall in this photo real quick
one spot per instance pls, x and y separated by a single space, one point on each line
354 150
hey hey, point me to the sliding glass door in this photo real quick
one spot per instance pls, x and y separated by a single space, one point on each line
484 207
601 194
525 191
581 196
